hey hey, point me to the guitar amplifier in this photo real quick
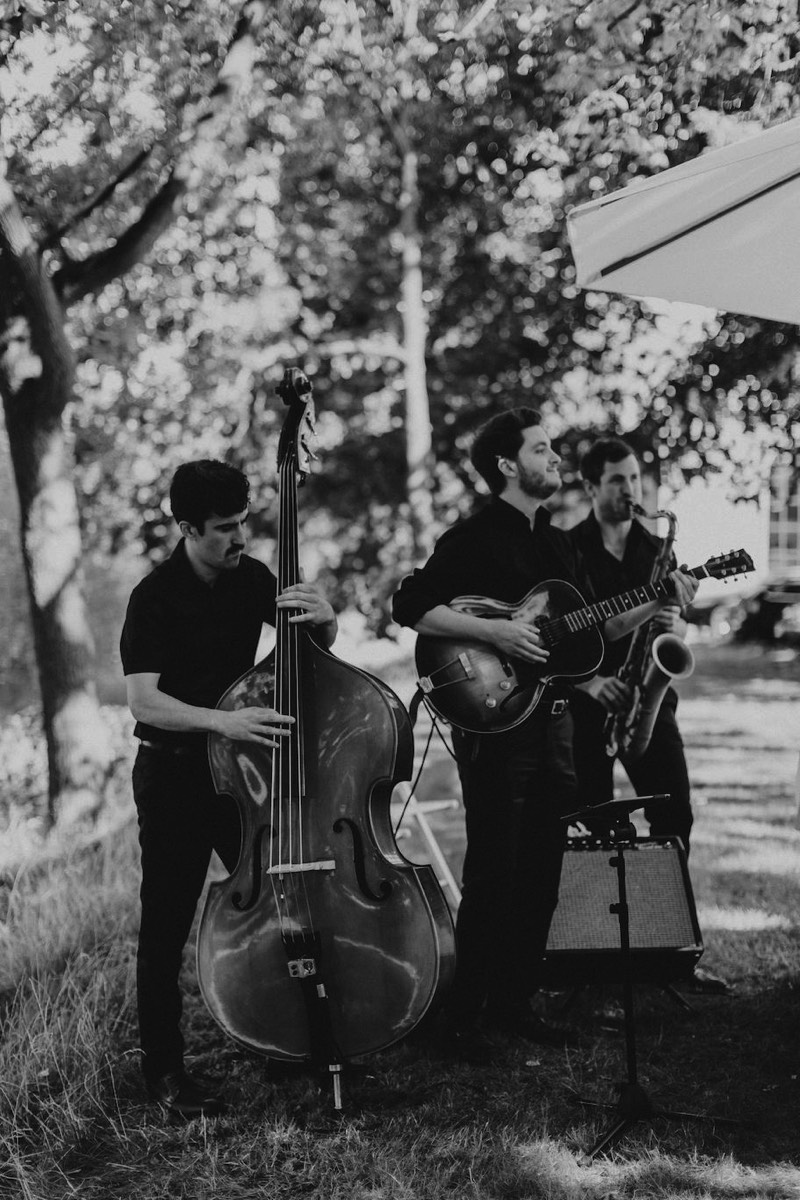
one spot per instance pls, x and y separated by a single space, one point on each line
584 941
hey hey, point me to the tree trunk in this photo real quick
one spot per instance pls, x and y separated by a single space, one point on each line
419 452
36 379
36 382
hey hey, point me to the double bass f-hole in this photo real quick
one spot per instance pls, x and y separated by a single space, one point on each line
359 862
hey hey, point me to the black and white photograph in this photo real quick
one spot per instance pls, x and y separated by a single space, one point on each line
399 600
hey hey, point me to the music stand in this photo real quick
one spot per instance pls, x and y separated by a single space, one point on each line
634 1104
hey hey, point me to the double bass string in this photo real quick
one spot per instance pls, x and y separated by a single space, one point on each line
281 765
297 637
276 803
289 778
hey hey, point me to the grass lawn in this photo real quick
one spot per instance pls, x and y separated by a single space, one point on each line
73 1121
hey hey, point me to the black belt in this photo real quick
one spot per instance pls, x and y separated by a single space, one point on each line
170 747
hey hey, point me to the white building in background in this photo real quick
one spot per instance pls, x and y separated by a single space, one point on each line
783 554
710 523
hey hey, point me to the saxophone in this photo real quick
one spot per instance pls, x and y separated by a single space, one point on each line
654 660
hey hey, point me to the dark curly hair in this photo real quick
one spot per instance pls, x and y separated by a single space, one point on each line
200 489
501 437
604 450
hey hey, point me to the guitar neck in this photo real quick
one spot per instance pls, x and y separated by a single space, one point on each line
592 615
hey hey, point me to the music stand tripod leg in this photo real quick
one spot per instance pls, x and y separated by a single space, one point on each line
634 1104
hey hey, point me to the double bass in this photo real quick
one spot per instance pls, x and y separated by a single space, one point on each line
325 943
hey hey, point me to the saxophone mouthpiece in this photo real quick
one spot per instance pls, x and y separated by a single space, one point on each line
636 509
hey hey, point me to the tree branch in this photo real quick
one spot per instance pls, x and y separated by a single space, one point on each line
101 197
84 77
472 23
623 15
78 279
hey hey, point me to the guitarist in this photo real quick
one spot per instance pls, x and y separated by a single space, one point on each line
515 784
618 554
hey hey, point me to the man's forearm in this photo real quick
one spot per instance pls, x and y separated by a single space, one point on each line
175 716
444 621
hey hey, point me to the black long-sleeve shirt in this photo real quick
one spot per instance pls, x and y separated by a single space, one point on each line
606 575
495 553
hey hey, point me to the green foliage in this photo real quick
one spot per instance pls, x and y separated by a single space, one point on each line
288 252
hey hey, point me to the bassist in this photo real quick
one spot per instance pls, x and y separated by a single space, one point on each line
516 784
192 627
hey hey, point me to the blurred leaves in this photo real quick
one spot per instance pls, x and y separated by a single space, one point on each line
288 251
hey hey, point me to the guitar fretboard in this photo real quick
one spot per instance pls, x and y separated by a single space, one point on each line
592 615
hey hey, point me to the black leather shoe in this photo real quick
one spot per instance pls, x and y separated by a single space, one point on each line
183 1094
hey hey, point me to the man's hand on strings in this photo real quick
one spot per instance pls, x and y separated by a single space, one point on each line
264 726
685 587
314 608
517 639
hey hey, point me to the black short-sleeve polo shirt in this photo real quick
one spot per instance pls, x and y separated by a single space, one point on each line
198 638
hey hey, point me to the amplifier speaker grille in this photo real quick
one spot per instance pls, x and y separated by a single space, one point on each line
664 933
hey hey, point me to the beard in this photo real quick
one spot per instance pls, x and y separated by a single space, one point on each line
537 486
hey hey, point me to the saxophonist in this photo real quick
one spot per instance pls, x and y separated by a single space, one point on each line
619 554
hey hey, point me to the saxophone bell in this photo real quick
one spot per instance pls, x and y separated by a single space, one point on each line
670 661
647 671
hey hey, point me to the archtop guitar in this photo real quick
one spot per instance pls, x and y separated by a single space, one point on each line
469 685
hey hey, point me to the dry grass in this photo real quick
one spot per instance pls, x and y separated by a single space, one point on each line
74 1123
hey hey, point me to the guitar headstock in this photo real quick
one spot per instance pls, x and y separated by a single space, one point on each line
724 566
298 427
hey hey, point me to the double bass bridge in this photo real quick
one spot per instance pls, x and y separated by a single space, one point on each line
323 864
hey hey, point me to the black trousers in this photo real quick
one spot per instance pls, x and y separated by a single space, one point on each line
181 820
661 769
516 786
